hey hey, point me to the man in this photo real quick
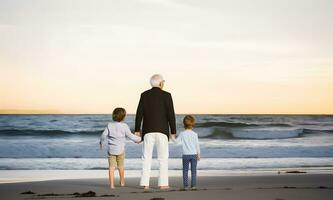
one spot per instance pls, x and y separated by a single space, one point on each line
156 111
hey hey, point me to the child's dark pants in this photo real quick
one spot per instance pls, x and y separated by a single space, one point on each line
187 159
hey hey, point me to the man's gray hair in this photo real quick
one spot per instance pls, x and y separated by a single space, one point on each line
155 80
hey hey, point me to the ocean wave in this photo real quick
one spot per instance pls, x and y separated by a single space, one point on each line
255 134
237 124
268 134
30 132
223 124
310 131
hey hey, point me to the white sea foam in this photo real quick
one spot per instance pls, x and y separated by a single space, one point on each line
174 164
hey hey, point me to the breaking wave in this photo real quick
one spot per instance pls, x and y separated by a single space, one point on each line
256 134
46 133
237 124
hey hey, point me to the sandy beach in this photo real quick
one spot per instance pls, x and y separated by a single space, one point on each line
275 187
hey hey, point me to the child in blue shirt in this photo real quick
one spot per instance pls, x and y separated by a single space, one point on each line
191 150
115 134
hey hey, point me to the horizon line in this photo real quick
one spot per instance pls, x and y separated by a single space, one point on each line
299 114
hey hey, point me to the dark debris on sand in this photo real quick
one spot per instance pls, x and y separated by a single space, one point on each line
293 187
28 192
289 187
86 194
74 195
295 172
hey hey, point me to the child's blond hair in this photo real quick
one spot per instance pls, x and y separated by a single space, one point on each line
189 121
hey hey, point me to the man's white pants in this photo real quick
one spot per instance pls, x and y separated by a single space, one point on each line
162 147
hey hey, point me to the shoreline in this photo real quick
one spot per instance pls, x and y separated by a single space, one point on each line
256 187
22 176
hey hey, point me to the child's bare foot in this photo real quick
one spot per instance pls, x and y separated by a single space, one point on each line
122 184
111 187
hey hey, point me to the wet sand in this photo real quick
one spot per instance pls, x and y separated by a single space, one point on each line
256 187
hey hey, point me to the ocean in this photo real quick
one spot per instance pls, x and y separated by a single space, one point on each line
228 143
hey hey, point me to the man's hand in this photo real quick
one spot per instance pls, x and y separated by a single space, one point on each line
173 136
198 157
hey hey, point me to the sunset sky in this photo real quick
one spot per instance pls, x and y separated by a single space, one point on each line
221 57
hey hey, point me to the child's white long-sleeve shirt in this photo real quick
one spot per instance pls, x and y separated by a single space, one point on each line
190 142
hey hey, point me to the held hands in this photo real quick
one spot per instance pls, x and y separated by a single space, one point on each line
139 135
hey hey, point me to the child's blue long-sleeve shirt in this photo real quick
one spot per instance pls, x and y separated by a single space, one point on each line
116 133
190 142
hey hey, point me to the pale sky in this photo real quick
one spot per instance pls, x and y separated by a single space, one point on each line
221 57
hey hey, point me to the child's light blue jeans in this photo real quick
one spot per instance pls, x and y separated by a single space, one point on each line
187 159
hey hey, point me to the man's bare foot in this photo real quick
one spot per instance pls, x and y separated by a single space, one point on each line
122 184
164 187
